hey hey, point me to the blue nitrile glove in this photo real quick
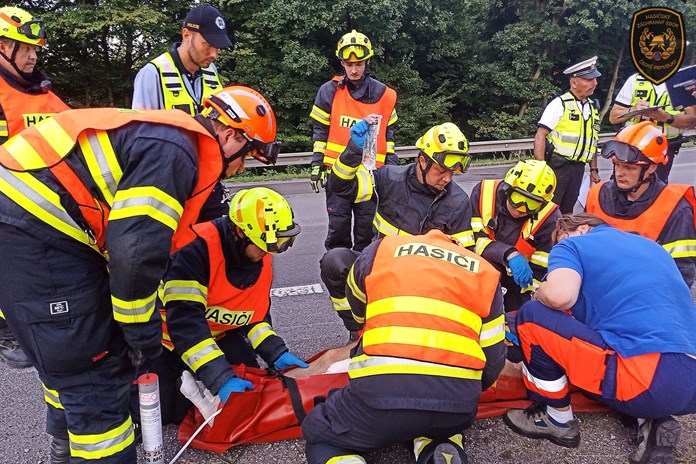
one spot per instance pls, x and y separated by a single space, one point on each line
236 385
521 272
288 359
358 133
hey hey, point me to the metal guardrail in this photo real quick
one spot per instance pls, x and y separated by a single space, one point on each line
493 146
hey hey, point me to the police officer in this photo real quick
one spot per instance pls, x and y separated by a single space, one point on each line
413 199
340 103
184 76
638 201
216 294
93 202
433 330
25 99
568 132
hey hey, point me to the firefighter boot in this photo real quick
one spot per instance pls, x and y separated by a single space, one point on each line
656 441
427 451
60 451
534 422
12 354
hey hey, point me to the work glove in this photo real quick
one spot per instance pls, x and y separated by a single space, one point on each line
288 359
317 177
521 272
358 132
234 385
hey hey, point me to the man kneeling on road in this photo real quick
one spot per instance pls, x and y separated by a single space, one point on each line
629 342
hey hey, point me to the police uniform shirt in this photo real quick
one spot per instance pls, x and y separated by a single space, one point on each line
554 112
625 95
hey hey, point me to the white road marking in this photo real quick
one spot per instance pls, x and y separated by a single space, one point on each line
296 291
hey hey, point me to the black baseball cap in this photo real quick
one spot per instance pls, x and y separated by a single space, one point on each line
208 21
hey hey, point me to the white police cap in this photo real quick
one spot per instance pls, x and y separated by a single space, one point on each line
586 69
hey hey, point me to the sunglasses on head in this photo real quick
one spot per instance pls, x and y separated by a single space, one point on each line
526 202
267 153
623 152
360 52
455 162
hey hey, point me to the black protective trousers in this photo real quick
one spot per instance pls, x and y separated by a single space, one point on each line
350 224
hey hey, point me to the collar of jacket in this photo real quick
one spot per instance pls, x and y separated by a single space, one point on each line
416 185
240 272
38 82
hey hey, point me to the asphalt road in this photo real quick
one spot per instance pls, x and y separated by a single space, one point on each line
307 323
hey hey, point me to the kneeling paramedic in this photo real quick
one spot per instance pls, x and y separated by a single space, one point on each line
216 295
92 204
628 342
433 322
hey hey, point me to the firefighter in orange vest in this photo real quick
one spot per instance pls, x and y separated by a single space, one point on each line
92 204
433 335
340 103
216 294
638 201
25 99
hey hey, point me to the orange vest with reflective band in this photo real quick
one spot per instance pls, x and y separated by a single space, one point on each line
487 209
346 111
650 223
26 109
69 125
229 307
426 298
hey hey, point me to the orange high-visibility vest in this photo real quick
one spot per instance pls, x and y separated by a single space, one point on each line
24 109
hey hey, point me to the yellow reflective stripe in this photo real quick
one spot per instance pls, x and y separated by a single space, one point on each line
134 311
4 132
385 228
51 397
492 332
147 201
457 439
259 333
364 190
430 338
393 117
319 146
418 445
681 248
422 305
184 290
340 304
344 171
347 459
465 238
101 161
36 198
481 244
552 386
488 188
390 147
353 285
25 155
55 135
540 258
364 365
2 315
101 445
476 224
335 147
201 353
320 115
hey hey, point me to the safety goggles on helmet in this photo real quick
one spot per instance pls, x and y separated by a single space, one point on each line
624 152
526 202
282 245
360 53
267 153
455 162
33 29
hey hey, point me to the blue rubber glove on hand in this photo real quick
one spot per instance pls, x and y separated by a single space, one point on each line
358 133
288 359
236 385
521 272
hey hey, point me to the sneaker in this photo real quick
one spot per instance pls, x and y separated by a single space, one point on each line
534 422
447 453
656 441
12 354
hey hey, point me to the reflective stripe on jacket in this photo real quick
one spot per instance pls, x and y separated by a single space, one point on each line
346 111
643 89
25 109
575 138
45 146
174 92
427 320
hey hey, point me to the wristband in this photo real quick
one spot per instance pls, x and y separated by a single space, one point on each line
670 120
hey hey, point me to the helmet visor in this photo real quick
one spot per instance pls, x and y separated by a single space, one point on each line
623 152
353 53
525 202
455 162
267 153
33 29
284 240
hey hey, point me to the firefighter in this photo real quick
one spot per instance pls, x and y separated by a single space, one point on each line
184 76
216 294
340 103
25 99
638 201
433 321
413 199
628 340
93 202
